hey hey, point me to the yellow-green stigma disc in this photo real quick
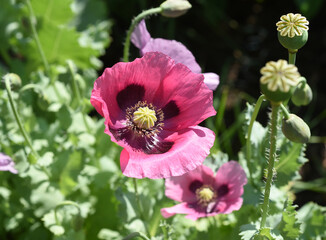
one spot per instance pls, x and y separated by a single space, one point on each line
144 117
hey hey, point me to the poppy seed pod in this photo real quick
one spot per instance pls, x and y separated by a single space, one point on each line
14 79
293 31
302 95
295 129
278 80
175 8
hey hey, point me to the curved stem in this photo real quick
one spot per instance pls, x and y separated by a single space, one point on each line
271 161
136 234
251 124
292 56
37 40
20 125
285 111
65 203
141 213
17 118
134 22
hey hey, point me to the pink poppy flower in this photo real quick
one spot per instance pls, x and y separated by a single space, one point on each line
152 107
176 50
6 164
202 195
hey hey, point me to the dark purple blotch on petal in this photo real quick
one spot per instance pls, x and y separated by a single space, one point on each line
222 190
170 110
130 95
149 145
194 185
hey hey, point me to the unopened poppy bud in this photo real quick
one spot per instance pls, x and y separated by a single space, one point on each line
293 31
295 129
175 8
14 79
302 95
278 80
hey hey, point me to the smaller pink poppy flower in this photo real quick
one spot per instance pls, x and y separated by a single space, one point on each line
6 164
176 50
202 195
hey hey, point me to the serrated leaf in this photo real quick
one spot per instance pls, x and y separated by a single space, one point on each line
289 162
289 226
46 159
248 231
313 218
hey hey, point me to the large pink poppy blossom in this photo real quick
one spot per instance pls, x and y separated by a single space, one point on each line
202 195
176 50
6 164
151 108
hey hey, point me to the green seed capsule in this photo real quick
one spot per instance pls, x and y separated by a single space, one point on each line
295 42
302 96
295 129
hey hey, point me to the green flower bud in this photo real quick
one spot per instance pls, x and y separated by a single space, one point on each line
295 129
278 80
175 8
14 79
302 95
292 31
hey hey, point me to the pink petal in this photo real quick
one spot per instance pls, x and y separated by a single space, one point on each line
232 175
185 208
211 80
176 50
191 146
140 36
178 188
148 71
229 206
193 98
6 164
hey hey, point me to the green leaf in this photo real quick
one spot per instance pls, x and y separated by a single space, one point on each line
313 218
56 11
289 226
291 158
108 234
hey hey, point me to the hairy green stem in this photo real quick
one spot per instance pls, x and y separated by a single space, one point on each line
248 143
134 22
136 234
271 162
140 209
37 40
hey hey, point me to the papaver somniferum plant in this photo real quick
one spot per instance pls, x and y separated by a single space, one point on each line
202 194
96 148
152 107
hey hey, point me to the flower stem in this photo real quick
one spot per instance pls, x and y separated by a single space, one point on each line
136 234
271 161
141 213
17 118
37 40
251 124
20 125
134 22
292 56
